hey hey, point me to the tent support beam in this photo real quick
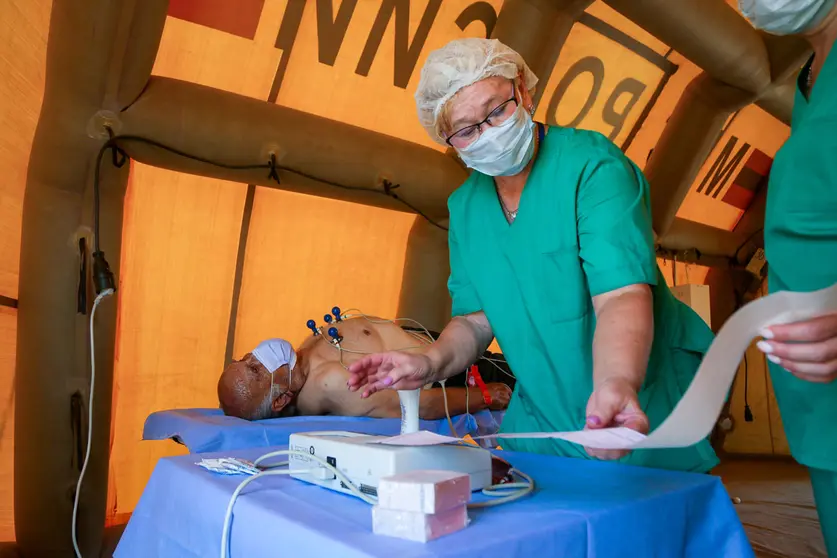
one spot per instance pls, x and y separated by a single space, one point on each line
333 152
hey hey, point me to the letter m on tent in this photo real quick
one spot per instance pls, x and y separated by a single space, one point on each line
722 168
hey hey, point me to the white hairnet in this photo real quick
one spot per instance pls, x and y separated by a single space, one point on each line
785 17
459 64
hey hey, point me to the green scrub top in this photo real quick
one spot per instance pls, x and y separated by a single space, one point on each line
800 237
583 228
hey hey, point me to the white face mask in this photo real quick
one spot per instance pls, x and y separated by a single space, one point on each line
785 17
503 150
274 354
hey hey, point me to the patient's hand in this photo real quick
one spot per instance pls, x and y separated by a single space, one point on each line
500 395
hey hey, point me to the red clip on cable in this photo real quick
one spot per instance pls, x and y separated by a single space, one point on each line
474 379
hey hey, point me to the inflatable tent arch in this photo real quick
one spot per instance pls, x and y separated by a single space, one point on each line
100 56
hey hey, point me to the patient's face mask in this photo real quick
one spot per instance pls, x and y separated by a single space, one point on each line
785 17
274 354
505 149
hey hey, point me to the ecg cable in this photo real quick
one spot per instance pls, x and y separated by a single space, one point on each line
498 494
77 495
338 345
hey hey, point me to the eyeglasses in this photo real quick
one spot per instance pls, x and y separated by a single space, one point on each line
466 136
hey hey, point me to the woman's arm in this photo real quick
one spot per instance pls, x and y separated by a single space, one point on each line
462 341
624 334
460 344
616 246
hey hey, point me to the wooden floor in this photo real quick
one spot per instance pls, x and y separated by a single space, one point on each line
777 506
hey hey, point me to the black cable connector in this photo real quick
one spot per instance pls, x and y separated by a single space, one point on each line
102 275
748 414
81 297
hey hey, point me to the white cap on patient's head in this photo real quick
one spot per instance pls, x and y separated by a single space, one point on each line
274 354
245 392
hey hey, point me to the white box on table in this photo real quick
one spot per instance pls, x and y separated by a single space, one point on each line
424 491
416 526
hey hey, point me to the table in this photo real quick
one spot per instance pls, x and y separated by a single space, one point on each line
203 430
580 509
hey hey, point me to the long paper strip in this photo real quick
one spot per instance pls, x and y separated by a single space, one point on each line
697 411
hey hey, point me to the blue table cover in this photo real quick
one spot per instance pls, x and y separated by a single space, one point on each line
202 430
580 509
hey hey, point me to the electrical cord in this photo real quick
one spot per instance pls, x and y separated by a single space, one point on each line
674 269
748 413
447 410
274 471
494 362
358 313
228 515
499 493
96 302
370 319
521 490
743 244
272 166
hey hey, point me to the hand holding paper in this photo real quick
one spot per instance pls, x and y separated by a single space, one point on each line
806 349
614 403
694 416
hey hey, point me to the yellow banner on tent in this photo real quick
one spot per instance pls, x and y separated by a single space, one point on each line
735 170
605 80
360 62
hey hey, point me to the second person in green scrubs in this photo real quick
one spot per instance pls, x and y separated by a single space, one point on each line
800 238
551 252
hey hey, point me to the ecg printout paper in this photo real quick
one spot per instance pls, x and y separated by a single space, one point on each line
695 414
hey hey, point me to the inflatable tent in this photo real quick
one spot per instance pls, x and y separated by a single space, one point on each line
294 176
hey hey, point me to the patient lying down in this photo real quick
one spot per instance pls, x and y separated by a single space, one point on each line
274 380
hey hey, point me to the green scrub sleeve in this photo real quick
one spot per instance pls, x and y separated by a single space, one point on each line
463 295
616 244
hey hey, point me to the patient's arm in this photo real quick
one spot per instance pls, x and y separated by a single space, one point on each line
432 402
338 400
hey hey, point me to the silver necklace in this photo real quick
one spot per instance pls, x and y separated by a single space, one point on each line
510 215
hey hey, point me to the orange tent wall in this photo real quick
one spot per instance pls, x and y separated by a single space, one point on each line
23 29
303 254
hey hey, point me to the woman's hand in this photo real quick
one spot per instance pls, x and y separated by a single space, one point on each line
808 349
614 403
394 370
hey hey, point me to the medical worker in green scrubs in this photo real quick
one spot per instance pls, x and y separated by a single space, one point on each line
552 253
800 236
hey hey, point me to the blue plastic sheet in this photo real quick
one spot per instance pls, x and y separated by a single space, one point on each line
580 509
203 430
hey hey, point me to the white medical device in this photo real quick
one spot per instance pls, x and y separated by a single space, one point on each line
365 463
409 410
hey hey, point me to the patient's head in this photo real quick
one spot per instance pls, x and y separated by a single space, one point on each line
262 383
